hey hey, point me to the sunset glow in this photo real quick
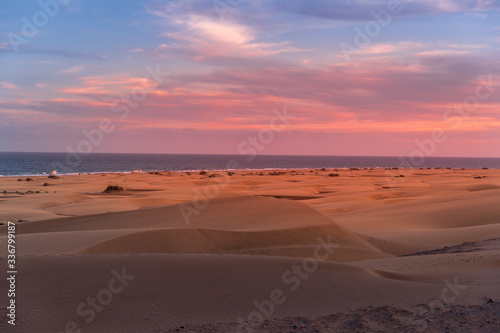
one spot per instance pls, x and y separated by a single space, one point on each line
201 76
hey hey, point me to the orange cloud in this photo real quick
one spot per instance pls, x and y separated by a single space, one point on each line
110 84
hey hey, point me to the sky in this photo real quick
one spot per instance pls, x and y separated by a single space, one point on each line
291 77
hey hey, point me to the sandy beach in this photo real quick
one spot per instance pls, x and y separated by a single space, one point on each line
369 250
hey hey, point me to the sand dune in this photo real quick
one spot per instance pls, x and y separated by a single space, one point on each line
172 290
124 232
445 211
216 241
232 213
405 242
258 234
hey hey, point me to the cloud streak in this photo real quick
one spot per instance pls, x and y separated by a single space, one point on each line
360 10
73 70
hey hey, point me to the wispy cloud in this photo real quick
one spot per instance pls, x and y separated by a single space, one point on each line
410 50
385 48
8 85
361 9
109 85
207 36
73 70
61 53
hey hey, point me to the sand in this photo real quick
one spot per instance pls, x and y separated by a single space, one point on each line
365 251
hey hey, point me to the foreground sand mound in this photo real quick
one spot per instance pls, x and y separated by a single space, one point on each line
244 213
164 291
139 232
299 242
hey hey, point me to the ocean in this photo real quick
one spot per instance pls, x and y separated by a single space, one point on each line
33 164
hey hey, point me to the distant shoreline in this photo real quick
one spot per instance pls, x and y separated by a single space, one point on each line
242 171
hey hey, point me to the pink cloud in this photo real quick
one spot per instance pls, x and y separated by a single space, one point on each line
385 48
110 85
8 85
383 98
375 95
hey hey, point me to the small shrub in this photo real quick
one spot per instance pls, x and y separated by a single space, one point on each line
29 179
333 175
46 184
19 180
277 173
57 177
203 173
112 188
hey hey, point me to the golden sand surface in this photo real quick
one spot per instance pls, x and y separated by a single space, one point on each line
177 249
